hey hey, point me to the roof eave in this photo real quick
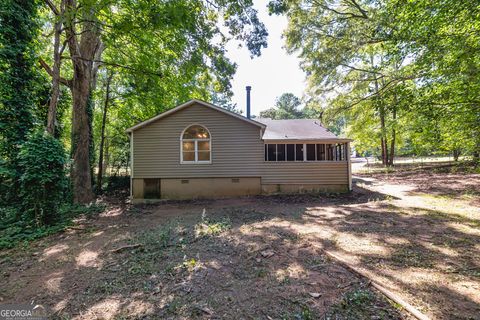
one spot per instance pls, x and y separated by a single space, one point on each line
309 139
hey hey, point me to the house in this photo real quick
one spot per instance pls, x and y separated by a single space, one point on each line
201 150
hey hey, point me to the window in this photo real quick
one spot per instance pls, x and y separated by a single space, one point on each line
305 152
272 152
195 145
280 152
299 152
320 152
310 152
290 152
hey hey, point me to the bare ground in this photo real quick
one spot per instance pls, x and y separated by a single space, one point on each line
261 258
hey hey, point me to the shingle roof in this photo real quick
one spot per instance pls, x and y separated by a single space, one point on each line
295 129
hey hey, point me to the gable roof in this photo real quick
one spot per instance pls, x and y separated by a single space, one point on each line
188 104
296 129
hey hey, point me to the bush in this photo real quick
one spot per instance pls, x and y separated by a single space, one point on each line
7 178
117 183
43 181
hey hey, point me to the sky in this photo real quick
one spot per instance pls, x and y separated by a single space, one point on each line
273 73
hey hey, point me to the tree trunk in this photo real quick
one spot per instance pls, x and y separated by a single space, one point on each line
52 107
102 135
383 132
82 52
82 185
384 136
476 134
392 142
456 154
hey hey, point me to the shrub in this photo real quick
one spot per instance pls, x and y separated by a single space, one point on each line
43 180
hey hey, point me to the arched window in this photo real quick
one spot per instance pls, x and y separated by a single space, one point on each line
195 145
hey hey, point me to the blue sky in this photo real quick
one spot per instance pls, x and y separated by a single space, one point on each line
273 73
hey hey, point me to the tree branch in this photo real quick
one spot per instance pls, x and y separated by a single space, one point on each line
70 6
113 64
49 70
340 13
359 69
362 11
52 7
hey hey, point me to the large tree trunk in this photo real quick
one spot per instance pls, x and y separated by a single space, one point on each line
82 186
82 53
102 135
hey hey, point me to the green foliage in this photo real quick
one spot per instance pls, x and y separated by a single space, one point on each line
18 29
400 73
163 54
43 180
362 303
13 231
208 227
286 107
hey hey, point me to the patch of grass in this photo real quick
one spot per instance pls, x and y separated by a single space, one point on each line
305 314
412 256
158 238
208 227
188 265
453 217
361 303
261 272
20 232
286 280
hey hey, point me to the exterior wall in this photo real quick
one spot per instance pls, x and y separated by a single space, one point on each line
237 152
209 187
237 148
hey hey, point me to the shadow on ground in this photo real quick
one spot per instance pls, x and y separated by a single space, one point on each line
255 257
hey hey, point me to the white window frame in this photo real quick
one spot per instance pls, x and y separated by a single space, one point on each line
195 141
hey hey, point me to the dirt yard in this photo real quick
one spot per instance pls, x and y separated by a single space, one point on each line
417 232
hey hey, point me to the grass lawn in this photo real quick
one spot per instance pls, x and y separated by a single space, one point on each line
415 231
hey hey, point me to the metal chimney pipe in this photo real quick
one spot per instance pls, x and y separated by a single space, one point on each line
248 101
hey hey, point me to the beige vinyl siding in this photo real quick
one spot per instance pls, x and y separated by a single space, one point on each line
237 150
236 147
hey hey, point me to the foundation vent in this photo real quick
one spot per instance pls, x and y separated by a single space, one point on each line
185 181
235 180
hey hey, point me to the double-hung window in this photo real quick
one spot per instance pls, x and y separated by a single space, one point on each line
195 145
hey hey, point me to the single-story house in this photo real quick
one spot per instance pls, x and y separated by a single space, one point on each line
201 150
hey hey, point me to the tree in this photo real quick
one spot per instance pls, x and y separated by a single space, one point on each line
392 60
157 44
18 30
443 41
286 107
103 126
